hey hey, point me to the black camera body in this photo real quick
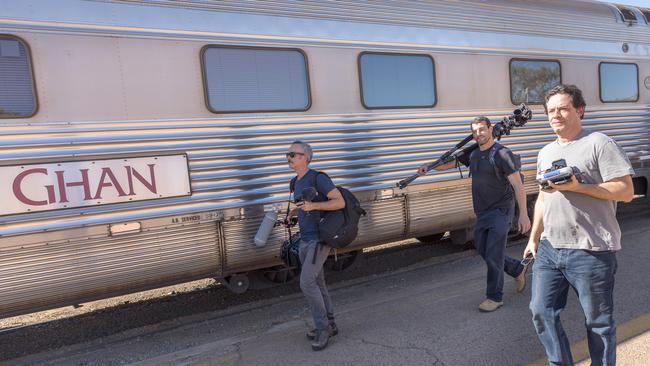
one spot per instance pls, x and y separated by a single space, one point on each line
559 173
307 194
518 118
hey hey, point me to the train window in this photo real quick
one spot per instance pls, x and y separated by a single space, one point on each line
396 80
646 14
619 82
17 94
626 13
531 79
242 79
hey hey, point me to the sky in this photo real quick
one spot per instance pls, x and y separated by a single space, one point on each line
643 3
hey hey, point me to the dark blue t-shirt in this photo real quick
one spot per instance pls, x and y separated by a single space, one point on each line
308 221
488 190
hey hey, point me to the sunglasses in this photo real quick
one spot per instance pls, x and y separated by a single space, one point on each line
293 154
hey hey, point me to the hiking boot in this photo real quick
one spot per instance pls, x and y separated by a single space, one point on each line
320 341
489 305
521 280
332 328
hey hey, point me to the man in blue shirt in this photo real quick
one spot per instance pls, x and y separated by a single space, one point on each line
312 253
496 186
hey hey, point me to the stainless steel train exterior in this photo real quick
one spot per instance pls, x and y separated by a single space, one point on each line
124 174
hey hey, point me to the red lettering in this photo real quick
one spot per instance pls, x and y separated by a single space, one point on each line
18 192
106 172
84 182
151 186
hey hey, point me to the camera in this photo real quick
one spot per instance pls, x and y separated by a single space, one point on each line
518 118
307 194
290 221
559 173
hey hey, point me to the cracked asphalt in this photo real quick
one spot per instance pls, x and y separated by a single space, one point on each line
422 314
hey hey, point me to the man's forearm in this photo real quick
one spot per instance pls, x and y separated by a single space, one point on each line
520 195
447 165
331 205
620 190
538 219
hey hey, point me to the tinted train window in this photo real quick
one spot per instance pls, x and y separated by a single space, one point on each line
619 82
397 81
17 97
531 79
255 79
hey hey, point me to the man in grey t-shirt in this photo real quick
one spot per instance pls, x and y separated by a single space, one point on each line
575 234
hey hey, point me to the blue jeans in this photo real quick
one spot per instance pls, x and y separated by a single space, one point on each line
591 275
490 236
312 282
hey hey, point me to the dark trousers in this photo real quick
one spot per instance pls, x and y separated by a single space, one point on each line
490 236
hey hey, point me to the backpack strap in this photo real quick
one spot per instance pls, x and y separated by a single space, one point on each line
314 183
491 156
292 184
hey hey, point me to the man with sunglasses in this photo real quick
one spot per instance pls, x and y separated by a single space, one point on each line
312 253
496 186
575 234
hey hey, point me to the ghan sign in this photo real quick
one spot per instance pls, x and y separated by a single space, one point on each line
41 187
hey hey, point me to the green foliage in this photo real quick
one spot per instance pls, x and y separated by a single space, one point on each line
531 80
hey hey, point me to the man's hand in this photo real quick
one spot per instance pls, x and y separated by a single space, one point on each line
307 206
531 249
524 223
422 170
570 186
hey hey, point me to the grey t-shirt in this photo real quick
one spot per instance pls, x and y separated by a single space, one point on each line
574 220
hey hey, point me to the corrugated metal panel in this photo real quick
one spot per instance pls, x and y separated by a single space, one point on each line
385 221
67 272
242 254
440 210
579 19
245 166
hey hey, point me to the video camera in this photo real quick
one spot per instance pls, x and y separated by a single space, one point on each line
559 173
308 194
518 118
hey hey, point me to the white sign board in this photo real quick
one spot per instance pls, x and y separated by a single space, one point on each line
52 186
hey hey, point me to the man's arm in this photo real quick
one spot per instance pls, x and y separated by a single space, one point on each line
538 227
520 196
423 168
617 189
335 202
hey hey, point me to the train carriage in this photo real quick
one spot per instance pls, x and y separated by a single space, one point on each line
141 142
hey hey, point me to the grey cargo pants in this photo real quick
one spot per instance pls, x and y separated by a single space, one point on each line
312 281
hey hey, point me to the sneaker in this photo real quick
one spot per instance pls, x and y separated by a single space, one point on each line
489 305
333 329
521 280
320 341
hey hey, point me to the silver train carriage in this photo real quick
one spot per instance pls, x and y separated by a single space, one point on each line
141 142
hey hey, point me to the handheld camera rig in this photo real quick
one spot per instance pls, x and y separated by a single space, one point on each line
559 173
518 118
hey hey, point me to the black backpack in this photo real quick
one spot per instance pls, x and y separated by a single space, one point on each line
339 228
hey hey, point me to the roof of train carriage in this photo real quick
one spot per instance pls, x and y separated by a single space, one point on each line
585 25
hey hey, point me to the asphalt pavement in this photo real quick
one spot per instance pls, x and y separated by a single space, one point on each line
424 314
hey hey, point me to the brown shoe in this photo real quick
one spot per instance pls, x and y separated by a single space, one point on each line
489 305
521 280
